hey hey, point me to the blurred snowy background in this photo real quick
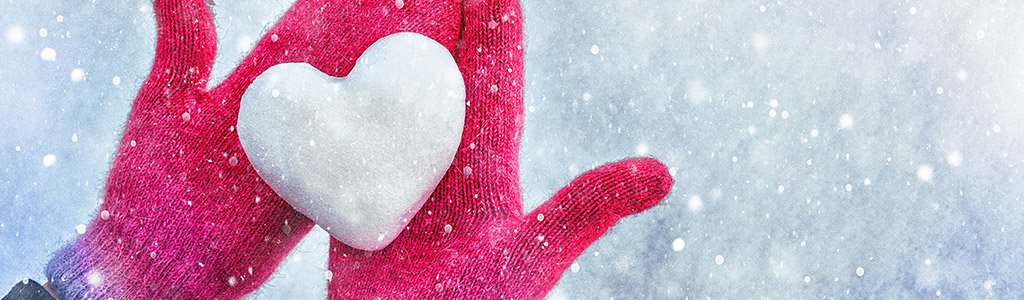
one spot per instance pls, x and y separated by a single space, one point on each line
821 149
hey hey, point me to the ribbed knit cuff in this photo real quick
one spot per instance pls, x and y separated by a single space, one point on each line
73 275
28 289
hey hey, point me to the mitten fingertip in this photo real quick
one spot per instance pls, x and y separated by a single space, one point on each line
657 182
642 184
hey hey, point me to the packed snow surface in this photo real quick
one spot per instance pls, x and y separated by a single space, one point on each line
359 155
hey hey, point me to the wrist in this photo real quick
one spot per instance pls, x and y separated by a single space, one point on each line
28 289
49 288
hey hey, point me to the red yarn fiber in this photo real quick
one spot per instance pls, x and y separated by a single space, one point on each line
186 216
471 239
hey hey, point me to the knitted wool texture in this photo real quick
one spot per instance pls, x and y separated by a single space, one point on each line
471 239
184 214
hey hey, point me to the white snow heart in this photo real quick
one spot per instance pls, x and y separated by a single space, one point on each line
361 154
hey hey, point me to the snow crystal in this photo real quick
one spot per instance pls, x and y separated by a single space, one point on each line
594 49
74 137
980 34
575 267
116 80
925 173
49 160
641 149
80 228
695 203
77 75
761 42
48 54
845 121
678 244
954 158
913 10
696 92
719 259
15 35
939 90
94 278
244 44
42 32
860 271
996 128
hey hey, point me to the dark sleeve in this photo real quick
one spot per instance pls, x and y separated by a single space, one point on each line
28 289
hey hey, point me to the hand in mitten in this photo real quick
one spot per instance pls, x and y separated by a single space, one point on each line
184 214
471 238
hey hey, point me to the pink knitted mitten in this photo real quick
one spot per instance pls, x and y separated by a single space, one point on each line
184 214
471 239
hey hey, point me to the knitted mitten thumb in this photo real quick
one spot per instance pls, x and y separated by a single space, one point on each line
471 239
184 214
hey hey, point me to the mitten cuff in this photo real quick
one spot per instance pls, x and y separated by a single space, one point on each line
74 276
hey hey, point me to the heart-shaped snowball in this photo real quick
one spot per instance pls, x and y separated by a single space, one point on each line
361 154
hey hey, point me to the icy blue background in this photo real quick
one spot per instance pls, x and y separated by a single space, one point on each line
809 139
